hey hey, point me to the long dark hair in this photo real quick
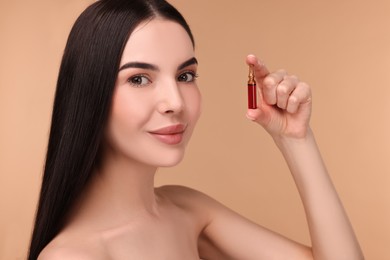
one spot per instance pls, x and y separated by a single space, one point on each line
82 102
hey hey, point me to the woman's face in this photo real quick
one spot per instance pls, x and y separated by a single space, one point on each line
156 101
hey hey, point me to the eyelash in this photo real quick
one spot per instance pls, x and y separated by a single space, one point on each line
143 76
139 76
192 73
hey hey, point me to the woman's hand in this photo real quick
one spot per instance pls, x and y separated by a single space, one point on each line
284 102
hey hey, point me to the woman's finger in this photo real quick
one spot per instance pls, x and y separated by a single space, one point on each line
259 68
284 90
300 95
270 84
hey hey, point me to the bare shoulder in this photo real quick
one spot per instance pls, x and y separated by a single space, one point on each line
65 253
199 206
225 234
68 248
187 197
179 189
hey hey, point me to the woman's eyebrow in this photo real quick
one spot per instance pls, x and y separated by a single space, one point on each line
140 65
187 63
148 66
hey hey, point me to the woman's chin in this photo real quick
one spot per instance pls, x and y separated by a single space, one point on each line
170 162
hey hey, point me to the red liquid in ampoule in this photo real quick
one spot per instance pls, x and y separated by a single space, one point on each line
252 96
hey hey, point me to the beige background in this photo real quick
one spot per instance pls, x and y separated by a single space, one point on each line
342 48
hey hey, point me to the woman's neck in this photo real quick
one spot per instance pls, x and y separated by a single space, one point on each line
119 191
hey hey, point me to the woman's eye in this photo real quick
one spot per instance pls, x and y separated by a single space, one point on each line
139 80
187 77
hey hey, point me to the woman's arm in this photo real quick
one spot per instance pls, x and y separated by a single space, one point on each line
284 111
332 236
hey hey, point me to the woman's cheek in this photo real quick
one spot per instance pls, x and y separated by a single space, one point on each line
194 103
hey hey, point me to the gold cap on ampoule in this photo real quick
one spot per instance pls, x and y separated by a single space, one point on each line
251 76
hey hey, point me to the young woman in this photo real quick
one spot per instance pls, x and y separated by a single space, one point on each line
126 103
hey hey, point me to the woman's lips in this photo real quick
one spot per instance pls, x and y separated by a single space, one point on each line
172 134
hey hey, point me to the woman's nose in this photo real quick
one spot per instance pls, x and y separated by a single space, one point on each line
171 100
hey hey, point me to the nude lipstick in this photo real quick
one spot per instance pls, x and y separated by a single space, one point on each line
252 95
170 135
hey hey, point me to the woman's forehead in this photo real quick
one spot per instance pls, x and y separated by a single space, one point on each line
158 41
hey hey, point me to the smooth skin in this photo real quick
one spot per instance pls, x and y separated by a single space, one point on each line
121 215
